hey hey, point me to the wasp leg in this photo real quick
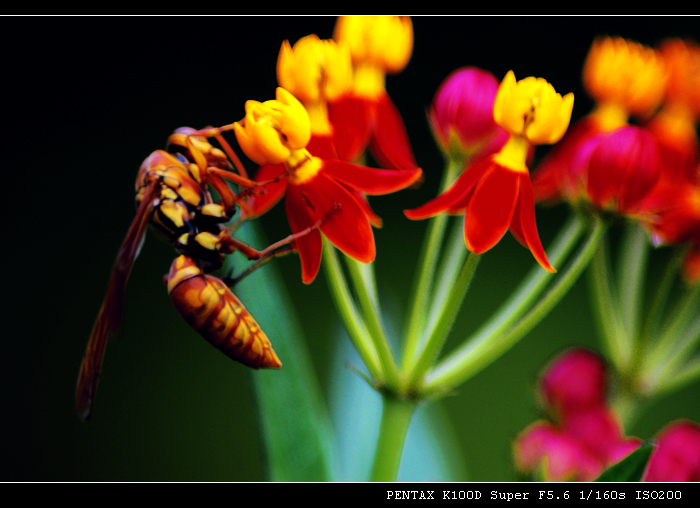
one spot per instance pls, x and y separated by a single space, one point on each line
277 249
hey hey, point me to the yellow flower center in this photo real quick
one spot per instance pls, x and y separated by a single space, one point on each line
610 115
315 70
369 81
383 41
273 129
531 108
302 167
513 155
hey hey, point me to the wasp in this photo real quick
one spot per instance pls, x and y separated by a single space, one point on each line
173 197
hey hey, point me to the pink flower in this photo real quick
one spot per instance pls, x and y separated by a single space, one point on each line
461 115
677 456
586 436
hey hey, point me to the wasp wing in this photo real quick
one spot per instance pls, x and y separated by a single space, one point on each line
109 317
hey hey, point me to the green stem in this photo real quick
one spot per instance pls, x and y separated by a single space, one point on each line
481 351
445 317
396 418
607 309
365 288
423 285
689 373
632 268
679 338
663 289
344 302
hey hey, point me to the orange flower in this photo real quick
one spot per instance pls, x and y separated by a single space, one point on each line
624 78
366 116
316 190
495 193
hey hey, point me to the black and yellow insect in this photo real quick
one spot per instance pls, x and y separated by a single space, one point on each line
173 196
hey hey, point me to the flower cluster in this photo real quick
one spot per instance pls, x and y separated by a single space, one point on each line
582 434
636 153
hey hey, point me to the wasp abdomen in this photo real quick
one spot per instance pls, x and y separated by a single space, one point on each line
209 306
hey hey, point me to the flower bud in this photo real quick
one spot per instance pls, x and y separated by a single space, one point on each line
677 456
461 115
574 382
622 169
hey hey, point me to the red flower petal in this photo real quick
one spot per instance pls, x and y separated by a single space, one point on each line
453 198
389 143
370 180
301 217
373 218
266 197
523 225
322 146
491 208
351 118
348 227
345 223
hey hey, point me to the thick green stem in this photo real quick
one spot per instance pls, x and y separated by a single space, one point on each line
396 418
481 351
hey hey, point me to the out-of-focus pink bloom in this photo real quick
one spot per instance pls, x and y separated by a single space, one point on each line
677 456
586 436
461 115
622 169
574 382
558 456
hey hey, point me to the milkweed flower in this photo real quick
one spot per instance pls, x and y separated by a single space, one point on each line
317 190
366 116
625 79
674 126
495 193
461 115
677 454
583 435
316 72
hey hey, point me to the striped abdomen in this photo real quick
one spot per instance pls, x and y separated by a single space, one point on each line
209 306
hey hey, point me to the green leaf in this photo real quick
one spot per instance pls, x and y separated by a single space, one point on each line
629 469
297 435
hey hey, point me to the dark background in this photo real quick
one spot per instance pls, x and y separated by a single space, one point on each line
86 99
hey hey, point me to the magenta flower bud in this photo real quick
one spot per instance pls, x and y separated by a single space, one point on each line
599 429
462 114
574 382
677 456
561 456
622 169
